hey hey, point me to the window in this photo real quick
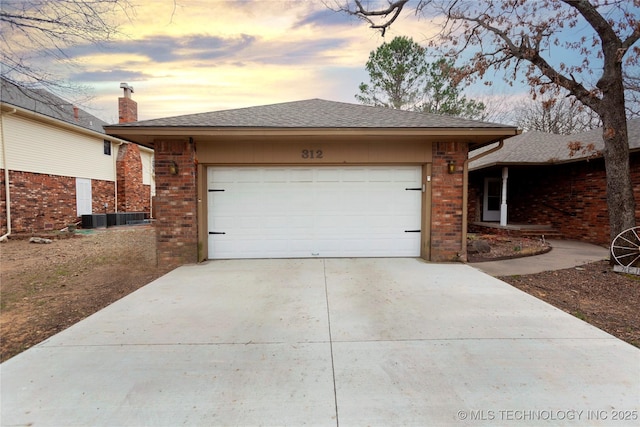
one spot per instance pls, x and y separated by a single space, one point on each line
107 147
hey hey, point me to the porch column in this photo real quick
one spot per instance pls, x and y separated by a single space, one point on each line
503 205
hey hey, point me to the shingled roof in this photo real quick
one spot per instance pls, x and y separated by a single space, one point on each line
315 113
43 102
538 148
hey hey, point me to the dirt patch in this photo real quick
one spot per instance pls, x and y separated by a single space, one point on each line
593 293
48 287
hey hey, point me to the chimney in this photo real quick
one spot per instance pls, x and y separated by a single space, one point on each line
127 107
76 113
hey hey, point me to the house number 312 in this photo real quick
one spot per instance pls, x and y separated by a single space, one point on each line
311 154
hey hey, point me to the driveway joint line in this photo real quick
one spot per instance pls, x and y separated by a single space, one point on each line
333 367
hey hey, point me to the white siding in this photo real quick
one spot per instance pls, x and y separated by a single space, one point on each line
40 148
147 170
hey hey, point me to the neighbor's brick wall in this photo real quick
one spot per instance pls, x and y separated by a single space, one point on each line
133 195
446 202
48 202
176 204
102 192
570 197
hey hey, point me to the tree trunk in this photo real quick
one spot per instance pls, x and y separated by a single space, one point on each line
620 199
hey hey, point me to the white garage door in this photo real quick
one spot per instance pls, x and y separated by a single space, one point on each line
300 212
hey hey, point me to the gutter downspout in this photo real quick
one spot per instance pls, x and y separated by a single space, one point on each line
6 175
465 196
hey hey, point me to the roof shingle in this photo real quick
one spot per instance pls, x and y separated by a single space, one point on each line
535 148
47 104
314 113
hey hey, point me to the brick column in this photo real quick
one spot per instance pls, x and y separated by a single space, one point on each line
176 203
133 196
446 202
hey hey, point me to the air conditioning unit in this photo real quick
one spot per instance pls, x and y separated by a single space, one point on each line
94 221
124 218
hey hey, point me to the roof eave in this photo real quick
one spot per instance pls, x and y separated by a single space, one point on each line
145 135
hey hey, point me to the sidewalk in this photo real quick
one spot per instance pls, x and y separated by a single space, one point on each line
564 254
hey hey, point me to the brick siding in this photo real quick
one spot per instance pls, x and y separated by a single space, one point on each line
133 196
48 202
571 198
446 202
176 203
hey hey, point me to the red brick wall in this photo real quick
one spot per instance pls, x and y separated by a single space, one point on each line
48 202
127 110
571 198
176 203
133 196
446 202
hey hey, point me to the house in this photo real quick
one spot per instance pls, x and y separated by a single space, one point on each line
61 165
554 183
311 178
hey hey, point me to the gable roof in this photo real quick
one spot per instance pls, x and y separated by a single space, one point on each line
43 102
314 113
540 148
313 117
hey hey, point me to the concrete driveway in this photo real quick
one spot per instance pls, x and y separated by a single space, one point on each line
325 342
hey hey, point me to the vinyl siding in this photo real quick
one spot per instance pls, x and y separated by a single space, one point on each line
147 169
41 148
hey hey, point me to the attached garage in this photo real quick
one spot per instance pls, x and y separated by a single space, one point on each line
310 178
302 212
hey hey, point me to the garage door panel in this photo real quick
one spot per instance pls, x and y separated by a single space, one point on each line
305 212
301 175
407 175
276 175
328 175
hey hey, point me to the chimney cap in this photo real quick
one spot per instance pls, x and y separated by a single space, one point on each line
128 90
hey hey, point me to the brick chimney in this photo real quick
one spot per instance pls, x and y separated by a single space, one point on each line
127 107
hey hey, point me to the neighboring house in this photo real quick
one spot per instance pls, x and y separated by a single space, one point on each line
61 165
311 178
548 185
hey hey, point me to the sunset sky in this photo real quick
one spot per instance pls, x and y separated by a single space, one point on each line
204 55
210 55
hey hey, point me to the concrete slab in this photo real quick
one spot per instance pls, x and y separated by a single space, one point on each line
564 254
169 385
387 299
484 382
215 303
325 342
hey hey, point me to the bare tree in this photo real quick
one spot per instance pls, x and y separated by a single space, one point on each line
33 32
632 93
561 116
519 35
